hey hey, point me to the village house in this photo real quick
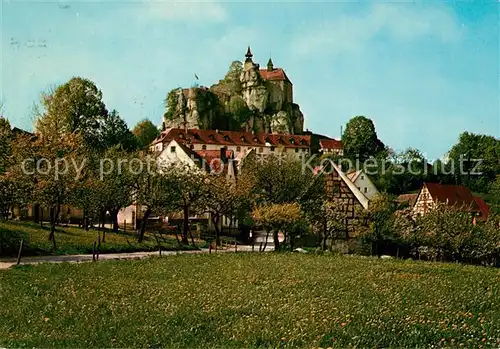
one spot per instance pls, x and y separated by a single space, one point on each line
457 196
331 146
238 142
340 186
363 183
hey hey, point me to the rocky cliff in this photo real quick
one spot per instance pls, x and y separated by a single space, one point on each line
248 98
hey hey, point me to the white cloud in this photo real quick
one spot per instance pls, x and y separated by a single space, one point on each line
403 21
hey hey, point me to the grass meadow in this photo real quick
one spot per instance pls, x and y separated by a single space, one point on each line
74 240
250 300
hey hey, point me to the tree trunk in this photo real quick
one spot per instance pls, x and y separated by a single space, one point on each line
276 241
114 216
54 213
265 244
215 221
86 223
36 213
103 219
143 224
185 229
291 243
324 241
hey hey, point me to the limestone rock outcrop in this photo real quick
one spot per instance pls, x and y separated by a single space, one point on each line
266 95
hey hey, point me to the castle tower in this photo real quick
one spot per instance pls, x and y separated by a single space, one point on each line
253 91
249 65
270 66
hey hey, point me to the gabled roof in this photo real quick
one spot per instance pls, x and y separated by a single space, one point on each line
196 136
330 144
409 198
17 131
277 74
354 175
452 195
363 200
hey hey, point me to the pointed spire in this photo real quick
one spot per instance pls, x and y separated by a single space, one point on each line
249 53
270 66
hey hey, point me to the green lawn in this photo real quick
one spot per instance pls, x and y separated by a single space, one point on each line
250 300
72 240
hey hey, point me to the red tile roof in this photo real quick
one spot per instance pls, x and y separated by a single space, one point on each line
277 74
483 207
409 198
196 136
330 144
453 195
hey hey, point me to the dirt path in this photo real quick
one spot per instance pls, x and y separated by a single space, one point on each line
7 263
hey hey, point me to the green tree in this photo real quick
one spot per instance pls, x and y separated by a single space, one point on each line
360 139
376 224
116 133
448 229
5 146
52 180
409 230
154 191
188 187
145 132
275 218
281 179
226 197
471 150
74 107
494 195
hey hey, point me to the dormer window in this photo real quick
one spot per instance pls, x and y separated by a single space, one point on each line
226 138
212 137
292 141
302 142
255 139
242 138
203 147
181 135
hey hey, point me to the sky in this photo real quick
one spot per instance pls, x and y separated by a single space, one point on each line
423 72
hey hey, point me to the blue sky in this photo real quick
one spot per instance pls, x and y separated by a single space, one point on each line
422 72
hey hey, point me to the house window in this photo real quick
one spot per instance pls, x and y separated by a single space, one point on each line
292 141
272 148
238 148
203 147
261 150
366 190
191 146
172 149
362 177
296 150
